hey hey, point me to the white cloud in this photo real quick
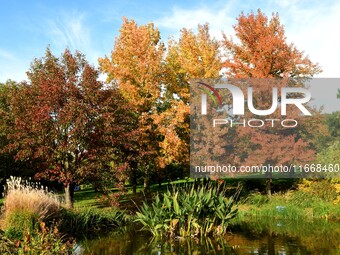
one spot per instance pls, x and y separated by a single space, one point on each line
13 69
315 30
61 30
287 3
70 30
218 17
10 64
6 54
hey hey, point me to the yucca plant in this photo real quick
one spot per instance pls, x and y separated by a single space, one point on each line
188 211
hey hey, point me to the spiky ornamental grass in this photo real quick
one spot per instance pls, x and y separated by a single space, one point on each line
28 201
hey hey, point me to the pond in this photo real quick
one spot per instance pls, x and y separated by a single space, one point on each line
252 237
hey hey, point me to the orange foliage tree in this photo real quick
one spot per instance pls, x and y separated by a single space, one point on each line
194 55
262 51
136 68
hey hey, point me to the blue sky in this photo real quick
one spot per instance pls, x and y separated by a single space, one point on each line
27 27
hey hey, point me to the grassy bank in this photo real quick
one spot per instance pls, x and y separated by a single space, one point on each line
311 200
307 200
322 196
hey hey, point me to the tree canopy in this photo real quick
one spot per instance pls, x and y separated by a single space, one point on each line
71 127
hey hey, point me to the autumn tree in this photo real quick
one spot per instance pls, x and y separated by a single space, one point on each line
8 166
193 56
61 116
6 159
136 68
262 51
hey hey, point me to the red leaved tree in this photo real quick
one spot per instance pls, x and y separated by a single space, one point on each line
65 120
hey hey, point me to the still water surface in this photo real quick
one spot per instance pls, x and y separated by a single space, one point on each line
266 237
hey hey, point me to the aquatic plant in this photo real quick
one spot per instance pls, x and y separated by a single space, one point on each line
188 211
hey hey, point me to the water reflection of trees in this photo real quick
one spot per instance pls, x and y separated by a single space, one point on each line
288 237
258 237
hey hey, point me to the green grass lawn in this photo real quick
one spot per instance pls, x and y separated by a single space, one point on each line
88 198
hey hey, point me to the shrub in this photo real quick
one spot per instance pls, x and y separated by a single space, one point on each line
256 199
6 245
185 211
44 241
19 222
324 189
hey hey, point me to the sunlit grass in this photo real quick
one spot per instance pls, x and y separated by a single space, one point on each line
293 205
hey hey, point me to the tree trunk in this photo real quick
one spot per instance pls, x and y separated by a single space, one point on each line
146 185
68 196
269 187
133 177
72 187
271 244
